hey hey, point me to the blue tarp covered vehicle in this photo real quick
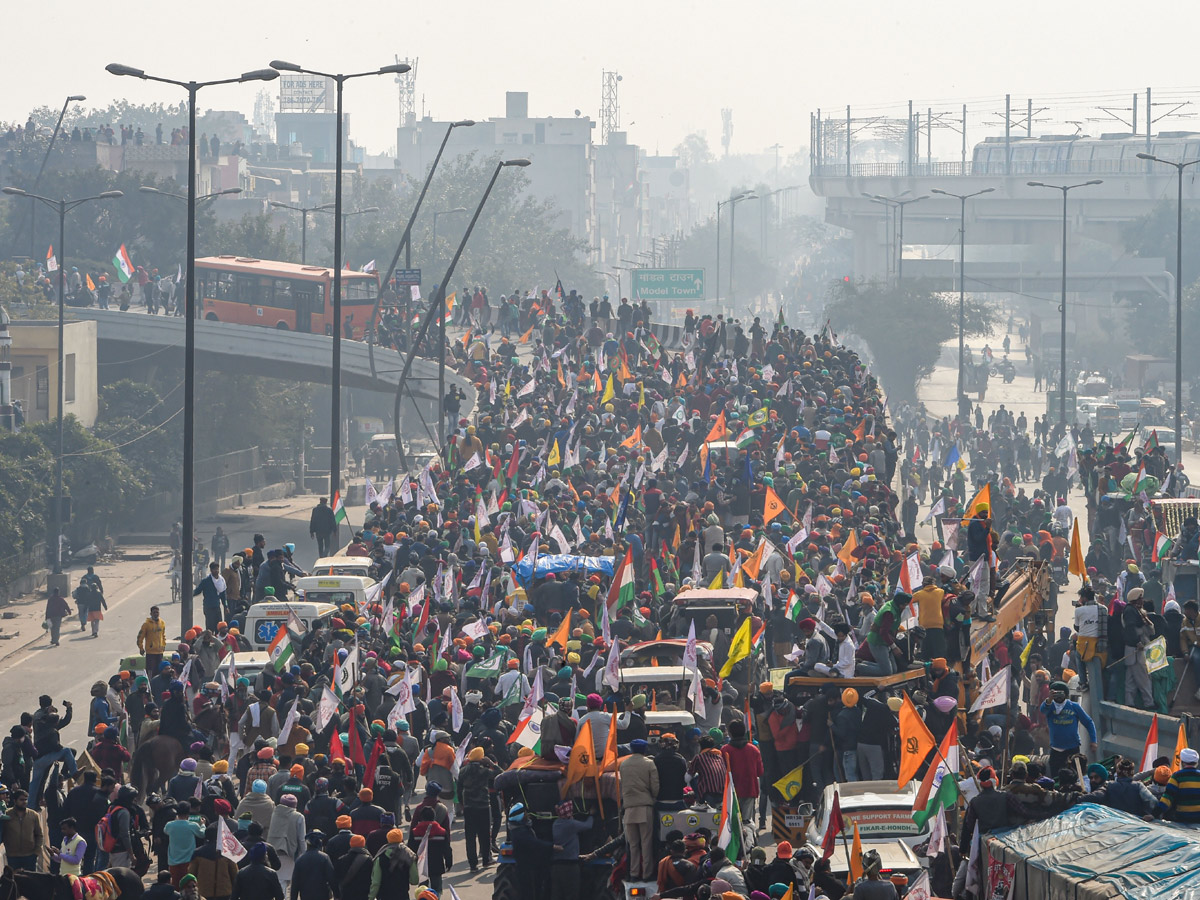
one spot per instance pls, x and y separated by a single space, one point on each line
560 562
1092 852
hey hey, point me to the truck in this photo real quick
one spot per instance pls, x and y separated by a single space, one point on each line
883 814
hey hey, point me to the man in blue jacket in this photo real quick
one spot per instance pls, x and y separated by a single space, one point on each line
1064 718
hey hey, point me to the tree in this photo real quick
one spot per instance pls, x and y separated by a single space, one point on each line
1153 235
519 242
252 235
904 327
693 151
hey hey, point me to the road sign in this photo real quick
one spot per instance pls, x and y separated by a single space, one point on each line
668 284
408 276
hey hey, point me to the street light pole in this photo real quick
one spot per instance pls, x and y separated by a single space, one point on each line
74 98
720 203
962 277
335 425
898 204
435 307
1062 363
189 326
749 195
304 211
62 207
1179 167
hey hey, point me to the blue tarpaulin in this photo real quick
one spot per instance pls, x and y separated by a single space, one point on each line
558 562
1090 852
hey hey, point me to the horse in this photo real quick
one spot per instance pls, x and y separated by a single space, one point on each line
154 761
214 723
38 886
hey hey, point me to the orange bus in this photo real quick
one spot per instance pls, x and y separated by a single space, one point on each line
283 295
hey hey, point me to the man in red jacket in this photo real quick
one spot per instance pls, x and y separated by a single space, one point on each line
745 766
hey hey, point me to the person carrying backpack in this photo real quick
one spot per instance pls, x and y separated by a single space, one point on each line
390 874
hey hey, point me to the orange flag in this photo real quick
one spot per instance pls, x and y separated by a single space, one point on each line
682 382
467 339
582 762
754 562
915 741
983 498
1076 564
846 554
719 431
562 634
598 385
633 439
561 380
856 866
1180 743
609 759
524 339
624 374
773 506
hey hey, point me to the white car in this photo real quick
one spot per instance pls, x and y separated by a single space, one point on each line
885 824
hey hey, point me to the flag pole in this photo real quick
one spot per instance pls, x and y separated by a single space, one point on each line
846 847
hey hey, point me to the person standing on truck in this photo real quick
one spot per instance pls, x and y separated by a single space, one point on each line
639 792
1180 801
1064 717
1091 629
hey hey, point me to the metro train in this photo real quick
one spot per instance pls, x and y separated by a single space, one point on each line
1109 154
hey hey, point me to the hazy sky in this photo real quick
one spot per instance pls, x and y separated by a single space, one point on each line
771 61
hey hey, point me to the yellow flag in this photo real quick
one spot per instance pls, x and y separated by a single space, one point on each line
739 580
1076 564
716 583
739 648
856 866
555 457
915 741
789 785
641 394
609 390
756 418
675 540
1025 652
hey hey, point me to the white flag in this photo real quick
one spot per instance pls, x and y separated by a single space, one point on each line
696 691
456 708
920 889
326 709
994 693
423 859
980 577
372 494
406 495
937 509
612 670
689 649
937 834
231 847
289 723
556 535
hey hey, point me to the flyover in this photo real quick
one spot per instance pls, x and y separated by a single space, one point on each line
139 339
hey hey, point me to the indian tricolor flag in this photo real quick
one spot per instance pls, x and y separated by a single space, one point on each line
123 264
281 649
339 508
1162 546
623 586
729 838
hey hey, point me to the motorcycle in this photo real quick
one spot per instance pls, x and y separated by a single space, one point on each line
1008 371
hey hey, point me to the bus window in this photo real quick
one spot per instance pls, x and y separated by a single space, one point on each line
282 298
310 295
360 291
245 290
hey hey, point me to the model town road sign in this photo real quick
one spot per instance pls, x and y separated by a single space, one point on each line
668 284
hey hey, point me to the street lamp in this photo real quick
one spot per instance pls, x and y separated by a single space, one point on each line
1062 370
750 195
189 326
62 207
304 211
436 306
895 203
734 199
614 275
1179 167
74 98
145 189
441 212
962 277
335 437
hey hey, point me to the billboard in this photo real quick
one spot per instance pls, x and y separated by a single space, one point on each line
299 92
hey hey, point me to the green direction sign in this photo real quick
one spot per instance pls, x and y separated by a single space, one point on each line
668 284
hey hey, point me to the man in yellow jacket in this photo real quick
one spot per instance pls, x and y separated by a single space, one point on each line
152 641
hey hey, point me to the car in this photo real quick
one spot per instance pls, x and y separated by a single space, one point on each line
884 818
343 565
668 652
249 665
